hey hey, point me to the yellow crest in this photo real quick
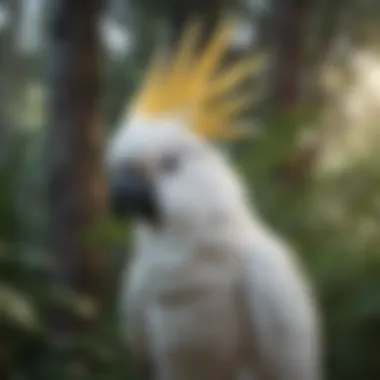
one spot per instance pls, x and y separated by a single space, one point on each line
189 85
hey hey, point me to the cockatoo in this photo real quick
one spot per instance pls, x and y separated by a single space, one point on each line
211 293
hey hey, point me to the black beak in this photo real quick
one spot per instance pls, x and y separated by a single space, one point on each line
131 194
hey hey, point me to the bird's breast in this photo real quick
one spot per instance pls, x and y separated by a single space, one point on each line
193 310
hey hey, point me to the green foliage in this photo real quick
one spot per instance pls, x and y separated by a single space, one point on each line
26 293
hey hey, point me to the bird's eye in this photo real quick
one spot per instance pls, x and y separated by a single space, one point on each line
170 163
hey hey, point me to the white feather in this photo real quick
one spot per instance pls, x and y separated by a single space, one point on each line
211 293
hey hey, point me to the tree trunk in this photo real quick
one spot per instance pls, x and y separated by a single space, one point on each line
9 76
76 184
290 25
291 18
325 24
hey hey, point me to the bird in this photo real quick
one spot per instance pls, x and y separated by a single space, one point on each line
211 291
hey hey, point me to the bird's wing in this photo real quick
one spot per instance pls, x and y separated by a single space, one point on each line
279 313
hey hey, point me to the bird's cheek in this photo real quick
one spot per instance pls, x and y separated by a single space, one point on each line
177 202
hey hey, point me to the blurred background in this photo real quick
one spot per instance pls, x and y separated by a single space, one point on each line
67 70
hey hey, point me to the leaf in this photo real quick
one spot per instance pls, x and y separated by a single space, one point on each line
18 309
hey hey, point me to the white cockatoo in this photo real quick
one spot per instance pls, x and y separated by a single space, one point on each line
210 293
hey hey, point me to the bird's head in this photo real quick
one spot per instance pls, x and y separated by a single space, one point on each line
163 164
